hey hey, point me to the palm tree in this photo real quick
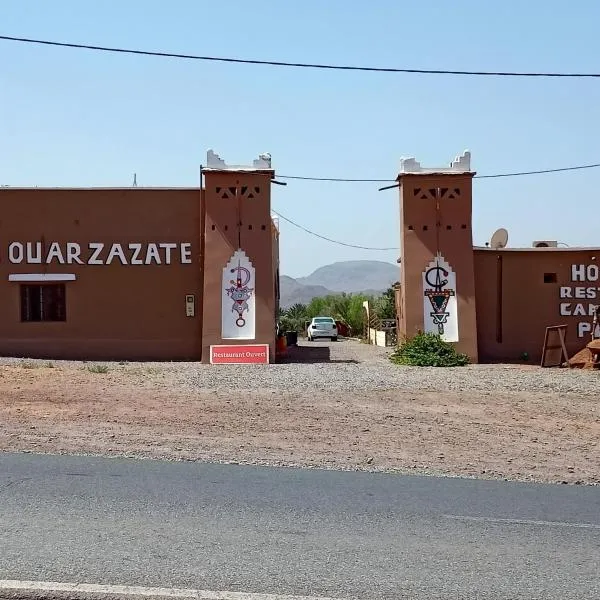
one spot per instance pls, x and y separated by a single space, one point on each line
296 310
296 315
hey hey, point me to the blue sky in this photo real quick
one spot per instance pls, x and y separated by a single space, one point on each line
75 117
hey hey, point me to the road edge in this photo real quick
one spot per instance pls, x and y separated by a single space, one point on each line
51 590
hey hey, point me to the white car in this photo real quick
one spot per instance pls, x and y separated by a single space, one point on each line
322 327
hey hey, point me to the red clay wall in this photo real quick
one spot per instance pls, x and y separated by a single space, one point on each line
519 295
419 242
114 311
222 239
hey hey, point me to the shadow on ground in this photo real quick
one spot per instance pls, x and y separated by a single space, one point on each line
316 353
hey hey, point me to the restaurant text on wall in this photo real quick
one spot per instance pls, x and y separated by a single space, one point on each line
580 300
99 253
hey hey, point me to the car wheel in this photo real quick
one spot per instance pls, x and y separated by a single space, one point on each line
334 339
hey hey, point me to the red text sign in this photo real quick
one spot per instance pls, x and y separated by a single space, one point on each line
253 354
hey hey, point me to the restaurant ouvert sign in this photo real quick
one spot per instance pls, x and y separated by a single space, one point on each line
99 253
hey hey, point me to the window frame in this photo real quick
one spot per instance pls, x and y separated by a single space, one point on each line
54 304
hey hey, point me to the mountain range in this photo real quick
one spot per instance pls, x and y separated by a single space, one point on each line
354 276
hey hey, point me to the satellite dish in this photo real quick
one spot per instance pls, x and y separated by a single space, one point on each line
499 239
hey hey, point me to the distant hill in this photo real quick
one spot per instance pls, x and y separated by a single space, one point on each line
358 276
354 276
292 292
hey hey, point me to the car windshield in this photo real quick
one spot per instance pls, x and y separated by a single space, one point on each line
324 320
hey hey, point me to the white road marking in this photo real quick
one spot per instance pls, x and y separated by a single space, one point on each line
127 590
524 522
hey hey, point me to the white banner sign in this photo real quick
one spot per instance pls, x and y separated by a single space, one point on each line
440 310
238 306
99 253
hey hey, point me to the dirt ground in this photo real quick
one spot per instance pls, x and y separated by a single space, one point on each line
146 411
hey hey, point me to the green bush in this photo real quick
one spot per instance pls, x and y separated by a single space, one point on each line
428 350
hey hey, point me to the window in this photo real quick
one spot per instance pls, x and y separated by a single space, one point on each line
550 278
43 302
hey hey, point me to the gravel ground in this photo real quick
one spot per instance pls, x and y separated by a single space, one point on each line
349 365
337 405
369 369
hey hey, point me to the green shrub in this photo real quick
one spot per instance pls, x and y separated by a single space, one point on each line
428 350
98 369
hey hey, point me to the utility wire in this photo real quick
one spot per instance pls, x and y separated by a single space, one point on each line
330 67
274 63
339 243
327 239
559 170
494 176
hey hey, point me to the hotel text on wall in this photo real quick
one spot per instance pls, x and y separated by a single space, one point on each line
581 298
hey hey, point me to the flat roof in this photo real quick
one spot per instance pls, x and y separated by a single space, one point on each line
542 249
230 170
58 187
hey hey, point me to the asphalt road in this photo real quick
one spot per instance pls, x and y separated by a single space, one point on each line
288 531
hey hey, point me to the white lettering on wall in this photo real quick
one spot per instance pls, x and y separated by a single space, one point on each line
568 309
186 254
135 258
584 274
15 253
116 251
580 293
577 272
100 253
55 253
152 254
73 253
167 248
34 258
585 329
96 248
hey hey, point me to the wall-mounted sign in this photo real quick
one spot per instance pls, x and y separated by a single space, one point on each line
252 354
190 305
99 253
440 312
581 300
237 298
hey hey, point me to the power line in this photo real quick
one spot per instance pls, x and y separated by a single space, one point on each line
327 239
559 170
330 67
337 179
274 63
494 176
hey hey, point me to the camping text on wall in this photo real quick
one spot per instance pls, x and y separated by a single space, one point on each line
580 300
99 253
440 314
238 315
